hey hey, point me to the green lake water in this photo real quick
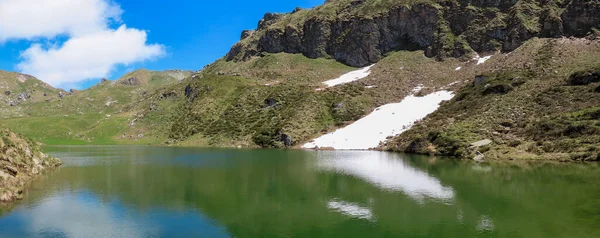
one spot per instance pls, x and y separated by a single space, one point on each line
124 191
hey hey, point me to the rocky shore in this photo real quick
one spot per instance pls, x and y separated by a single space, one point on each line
21 160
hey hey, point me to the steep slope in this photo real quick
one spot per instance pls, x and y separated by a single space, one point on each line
20 160
361 32
546 106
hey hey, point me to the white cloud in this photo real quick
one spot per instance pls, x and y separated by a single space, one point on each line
88 56
27 19
91 49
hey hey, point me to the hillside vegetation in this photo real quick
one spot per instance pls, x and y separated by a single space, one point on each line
546 106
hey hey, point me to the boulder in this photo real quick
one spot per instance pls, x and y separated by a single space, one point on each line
270 102
287 140
584 77
7 93
481 143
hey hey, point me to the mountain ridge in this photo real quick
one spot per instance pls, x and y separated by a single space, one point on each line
359 33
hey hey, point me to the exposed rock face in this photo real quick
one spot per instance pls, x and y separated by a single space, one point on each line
131 81
20 160
442 29
246 34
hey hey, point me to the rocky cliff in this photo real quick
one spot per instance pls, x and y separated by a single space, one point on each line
361 32
20 160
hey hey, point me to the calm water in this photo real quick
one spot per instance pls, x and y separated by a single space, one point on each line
182 192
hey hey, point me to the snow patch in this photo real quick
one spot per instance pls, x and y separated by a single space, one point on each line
350 77
387 120
481 60
370 86
458 68
350 209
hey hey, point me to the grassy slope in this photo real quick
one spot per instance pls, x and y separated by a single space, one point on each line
17 84
525 104
94 116
230 108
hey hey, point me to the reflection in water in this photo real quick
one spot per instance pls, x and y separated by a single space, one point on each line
350 209
485 224
83 214
387 171
186 192
80 216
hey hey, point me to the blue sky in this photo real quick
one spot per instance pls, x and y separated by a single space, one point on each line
89 39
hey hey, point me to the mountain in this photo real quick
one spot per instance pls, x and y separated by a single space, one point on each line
361 32
545 104
94 115
17 89
523 74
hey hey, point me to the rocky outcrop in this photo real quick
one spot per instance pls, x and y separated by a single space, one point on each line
132 81
443 29
20 161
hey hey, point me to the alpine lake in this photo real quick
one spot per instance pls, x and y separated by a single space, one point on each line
143 191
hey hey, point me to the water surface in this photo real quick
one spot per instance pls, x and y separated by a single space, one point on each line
128 191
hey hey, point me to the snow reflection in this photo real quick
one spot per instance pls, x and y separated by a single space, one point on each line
386 171
351 209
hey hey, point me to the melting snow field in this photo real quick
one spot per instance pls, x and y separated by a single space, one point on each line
350 77
387 120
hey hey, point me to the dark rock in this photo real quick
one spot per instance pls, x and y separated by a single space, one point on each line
7 93
45 94
190 93
61 95
287 140
246 34
11 170
585 77
580 17
297 9
497 89
479 79
72 91
103 80
357 2
597 89
269 19
169 94
270 102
